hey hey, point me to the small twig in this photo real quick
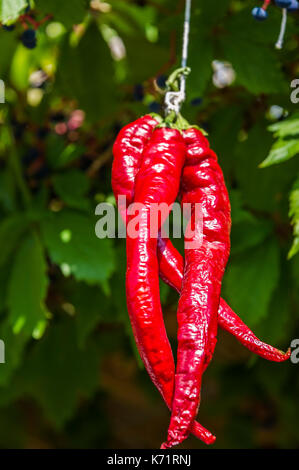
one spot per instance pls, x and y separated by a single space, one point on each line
99 162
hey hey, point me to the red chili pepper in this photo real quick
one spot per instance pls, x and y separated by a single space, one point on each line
202 183
157 181
171 265
128 151
128 154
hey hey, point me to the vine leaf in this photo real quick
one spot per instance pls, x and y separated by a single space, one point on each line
72 244
10 10
294 214
251 279
27 288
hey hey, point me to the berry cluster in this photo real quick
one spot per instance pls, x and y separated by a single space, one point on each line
261 14
30 26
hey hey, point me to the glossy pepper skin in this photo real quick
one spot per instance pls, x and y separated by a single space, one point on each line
171 265
157 181
202 183
128 155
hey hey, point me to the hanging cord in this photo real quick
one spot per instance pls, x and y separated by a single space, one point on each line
280 40
174 99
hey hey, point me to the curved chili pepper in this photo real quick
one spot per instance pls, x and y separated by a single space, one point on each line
128 154
128 150
157 181
171 265
202 183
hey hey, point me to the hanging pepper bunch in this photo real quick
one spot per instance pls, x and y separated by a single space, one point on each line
288 6
156 162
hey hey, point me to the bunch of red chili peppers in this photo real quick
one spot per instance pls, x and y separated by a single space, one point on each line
157 162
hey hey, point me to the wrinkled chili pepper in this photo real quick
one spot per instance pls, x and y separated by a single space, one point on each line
202 183
157 181
128 155
128 152
171 265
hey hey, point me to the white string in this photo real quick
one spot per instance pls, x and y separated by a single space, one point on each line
280 40
186 36
175 99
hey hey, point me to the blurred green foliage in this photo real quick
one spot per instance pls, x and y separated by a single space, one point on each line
72 376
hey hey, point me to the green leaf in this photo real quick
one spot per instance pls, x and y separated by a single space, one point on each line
27 288
224 135
294 214
91 308
248 234
68 12
72 243
14 349
58 374
11 230
59 154
8 44
257 68
275 329
11 10
210 13
89 80
143 61
286 128
250 280
281 151
201 70
72 187
7 191
262 190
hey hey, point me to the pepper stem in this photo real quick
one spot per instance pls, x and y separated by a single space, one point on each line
173 83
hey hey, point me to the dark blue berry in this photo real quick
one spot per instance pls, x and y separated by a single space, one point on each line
161 81
10 27
196 102
138 92
154 107
259 14
283 3
28 8
294 6
28 38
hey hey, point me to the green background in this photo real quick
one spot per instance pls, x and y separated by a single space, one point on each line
72 376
